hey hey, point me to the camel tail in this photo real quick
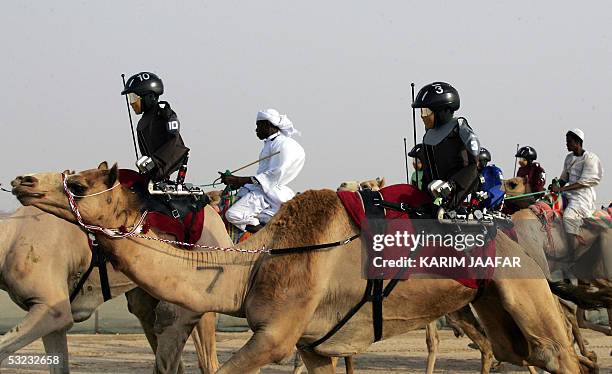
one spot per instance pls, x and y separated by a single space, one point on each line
583 296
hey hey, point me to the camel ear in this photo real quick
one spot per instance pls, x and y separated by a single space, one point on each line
113 174
103 165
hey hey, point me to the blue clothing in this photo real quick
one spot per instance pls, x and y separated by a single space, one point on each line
492 186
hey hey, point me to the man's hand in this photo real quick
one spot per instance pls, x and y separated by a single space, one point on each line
234 181
555 188
555 185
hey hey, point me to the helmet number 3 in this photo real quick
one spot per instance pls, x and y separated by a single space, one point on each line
144 76
438 88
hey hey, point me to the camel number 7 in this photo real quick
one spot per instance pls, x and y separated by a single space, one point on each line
219 271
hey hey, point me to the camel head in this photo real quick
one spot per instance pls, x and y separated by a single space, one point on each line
515 186
374 184
98 201
348 186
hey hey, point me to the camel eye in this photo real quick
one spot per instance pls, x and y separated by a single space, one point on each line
77 188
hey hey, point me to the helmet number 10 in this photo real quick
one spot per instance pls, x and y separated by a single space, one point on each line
144 76
173 126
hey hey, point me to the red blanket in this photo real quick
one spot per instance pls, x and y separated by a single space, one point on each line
428 258
189 226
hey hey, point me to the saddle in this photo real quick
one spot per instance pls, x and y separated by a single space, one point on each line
180 216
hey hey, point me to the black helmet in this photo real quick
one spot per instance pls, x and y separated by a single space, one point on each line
144 83
527 152
437 96
414 152
484 155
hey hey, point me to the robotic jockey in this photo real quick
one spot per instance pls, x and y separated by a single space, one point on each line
450 147
162 148
491 181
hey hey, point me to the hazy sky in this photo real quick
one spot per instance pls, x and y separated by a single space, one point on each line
526 72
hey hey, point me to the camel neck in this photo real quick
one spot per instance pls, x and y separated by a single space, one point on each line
203 281
7 234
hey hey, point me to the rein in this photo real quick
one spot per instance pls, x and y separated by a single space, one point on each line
135 232
4 189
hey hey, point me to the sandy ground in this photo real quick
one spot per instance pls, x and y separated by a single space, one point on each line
130 353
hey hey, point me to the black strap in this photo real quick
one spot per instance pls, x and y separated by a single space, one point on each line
81 282
376 224
101 263
374 287
307 248
98 259
377 308
366 297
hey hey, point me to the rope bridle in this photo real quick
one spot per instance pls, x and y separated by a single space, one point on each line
112 233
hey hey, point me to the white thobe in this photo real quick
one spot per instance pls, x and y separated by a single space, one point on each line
587 171
260 201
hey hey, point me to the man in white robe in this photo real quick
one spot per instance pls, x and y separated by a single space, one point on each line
261 195
582 171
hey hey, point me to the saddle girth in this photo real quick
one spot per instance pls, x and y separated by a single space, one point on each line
98 259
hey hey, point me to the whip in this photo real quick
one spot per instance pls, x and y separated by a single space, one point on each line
127 103
228 172
413 134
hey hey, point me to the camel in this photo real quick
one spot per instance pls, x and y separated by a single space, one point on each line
465 321
39 252
555 248
295 299
373 184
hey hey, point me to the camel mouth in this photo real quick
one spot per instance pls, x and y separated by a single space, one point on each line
23 192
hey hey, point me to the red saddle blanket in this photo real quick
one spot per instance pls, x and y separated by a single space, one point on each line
190 227
470 267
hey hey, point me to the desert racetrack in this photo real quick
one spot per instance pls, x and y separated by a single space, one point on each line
130 353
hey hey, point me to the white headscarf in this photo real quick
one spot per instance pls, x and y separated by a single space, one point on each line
579 133
281 121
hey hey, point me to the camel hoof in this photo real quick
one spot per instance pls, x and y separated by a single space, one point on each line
498 367
591 356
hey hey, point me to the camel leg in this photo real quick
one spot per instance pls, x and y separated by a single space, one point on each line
515 324
56 344
205 343
265 346
610 321
588 358
173 325
583 323
298 363
41 320
577 334
142 305
348 363
433 341
317 364
465 320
